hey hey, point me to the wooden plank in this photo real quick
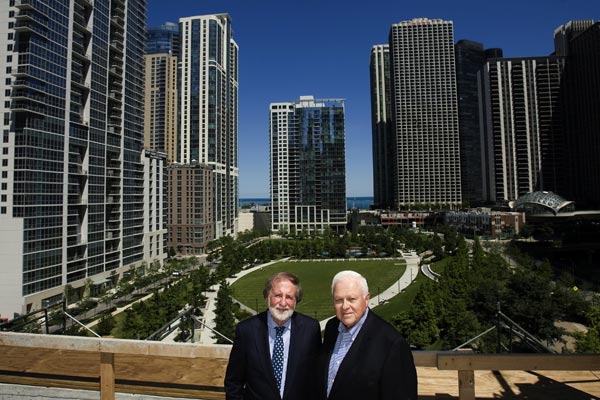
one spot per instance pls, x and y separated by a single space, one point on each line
107 376
207 372
466 385
148 389
186 393
50 382
425 358
522 362
49 361
123 346
183 371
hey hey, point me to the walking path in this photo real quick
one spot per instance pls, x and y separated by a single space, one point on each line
205 336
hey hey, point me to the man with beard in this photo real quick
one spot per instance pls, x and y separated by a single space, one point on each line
274 352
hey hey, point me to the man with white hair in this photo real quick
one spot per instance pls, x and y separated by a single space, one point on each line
363 356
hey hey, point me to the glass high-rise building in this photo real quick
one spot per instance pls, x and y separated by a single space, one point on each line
524 126
382 127
470 59
425 114
72 171
208 109
308 165
581 86
163 39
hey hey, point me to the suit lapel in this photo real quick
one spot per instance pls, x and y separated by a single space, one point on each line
293 352
349 361
262 348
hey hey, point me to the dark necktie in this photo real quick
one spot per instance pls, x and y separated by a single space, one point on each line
277 358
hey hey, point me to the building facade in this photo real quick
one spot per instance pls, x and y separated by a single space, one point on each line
190 215
581 85
208 109
72 188
163 39
382 127
307 165
523 130
425 113
160 116
155 207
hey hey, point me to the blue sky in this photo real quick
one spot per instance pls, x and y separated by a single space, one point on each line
321 48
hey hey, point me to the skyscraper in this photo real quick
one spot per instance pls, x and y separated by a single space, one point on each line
208 109
425 113
308 167
160 117
567 32
581 85
72 186
163 39
382 126
523 130
470 59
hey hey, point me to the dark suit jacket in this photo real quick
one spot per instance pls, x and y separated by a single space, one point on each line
378 366
249 373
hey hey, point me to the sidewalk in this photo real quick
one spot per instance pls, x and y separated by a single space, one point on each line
208 317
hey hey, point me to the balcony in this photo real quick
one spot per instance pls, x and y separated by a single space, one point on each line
196 371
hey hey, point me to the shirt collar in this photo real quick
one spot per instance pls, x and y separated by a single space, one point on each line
356 328
272 324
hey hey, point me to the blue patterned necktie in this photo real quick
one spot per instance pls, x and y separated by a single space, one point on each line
277 358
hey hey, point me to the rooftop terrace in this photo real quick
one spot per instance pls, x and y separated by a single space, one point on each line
184 370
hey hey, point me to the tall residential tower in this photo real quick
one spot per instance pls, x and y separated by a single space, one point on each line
208 109
523 128
308 165
160 117
425 113
72 186
382 127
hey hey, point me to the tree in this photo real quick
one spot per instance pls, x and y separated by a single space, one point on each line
530 303
105 325
422 317
224 320
69 294
589 342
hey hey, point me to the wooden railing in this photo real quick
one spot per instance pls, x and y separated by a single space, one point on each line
189 370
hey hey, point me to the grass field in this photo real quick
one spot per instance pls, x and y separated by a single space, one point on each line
315 278
401 302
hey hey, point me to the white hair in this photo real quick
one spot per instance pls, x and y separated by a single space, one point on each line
348 275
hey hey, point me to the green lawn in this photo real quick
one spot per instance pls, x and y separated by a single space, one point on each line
401 302
315 278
